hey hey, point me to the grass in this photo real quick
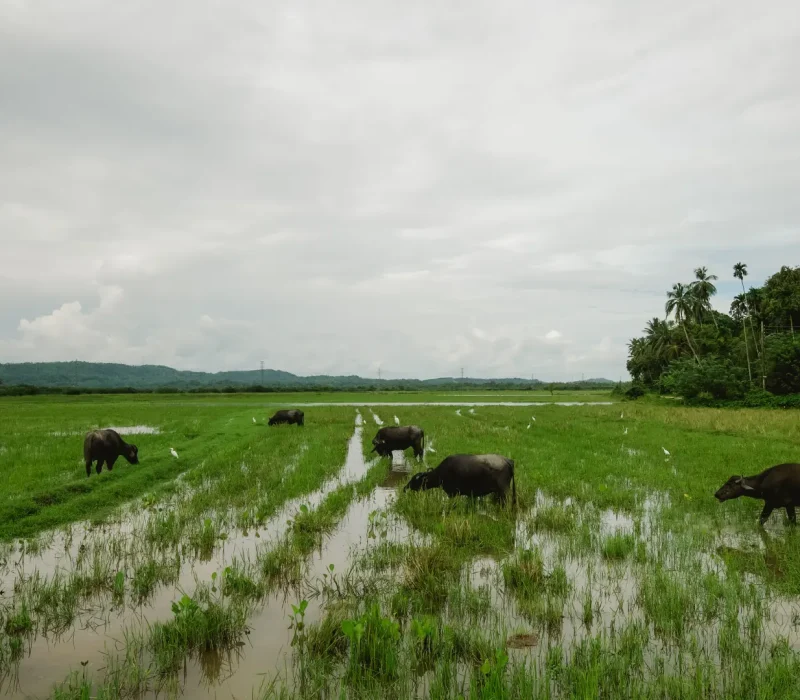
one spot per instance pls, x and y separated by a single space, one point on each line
618 569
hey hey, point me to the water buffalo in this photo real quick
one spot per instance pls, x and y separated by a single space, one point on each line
290 417
392 438
469 475
106 446
778 487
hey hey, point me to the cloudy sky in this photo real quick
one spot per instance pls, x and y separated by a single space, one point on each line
332 187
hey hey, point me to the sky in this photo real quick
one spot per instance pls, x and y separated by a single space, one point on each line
414 186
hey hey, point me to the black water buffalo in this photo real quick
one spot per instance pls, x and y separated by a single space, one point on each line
469 475
291 416
106 446
396 437
778 487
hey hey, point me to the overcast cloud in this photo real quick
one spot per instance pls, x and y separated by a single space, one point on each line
509 187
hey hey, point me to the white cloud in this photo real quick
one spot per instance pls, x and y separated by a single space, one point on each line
321 187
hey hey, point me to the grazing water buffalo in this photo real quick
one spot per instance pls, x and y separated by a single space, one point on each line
469 475
778 487
392 438
291 416
106 446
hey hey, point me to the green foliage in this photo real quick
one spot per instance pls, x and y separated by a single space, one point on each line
719 379
374 644
617 547
757 340
194 627
783 363
782 298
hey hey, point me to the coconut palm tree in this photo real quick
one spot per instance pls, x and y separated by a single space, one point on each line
657 334
739 308
703 288
740 272
681 302
739 313
755 312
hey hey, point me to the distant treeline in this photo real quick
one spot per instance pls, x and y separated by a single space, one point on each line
32 390
94 377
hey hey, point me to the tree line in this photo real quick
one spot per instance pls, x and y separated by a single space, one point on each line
700 353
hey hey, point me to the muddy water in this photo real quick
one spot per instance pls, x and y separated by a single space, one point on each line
48 661
269 652
615 587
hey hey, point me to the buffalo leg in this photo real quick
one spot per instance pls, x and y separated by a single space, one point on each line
88 467
765 513
110 463
99 467
792 517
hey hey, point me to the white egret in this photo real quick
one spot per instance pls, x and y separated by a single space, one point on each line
173 453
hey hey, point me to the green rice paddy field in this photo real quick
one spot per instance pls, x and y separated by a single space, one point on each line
287 562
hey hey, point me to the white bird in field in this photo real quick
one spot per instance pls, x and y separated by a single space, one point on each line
625 432
396 420
254 420
173 453
621 415
533 418
666 451
472 411
458 411
529 426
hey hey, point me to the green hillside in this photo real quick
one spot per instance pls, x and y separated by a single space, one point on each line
94 375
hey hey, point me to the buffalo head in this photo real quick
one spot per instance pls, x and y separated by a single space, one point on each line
132 454
733 488
420 482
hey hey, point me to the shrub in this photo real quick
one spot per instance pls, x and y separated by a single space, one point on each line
715 378
636 391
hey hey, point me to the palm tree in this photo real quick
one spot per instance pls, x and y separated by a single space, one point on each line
755 312
657 334
739 308
704 289
681 302
740 272
739 312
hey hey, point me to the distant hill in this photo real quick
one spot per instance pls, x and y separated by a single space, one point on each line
95 375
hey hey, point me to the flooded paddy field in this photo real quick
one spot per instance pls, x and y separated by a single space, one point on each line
287 562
